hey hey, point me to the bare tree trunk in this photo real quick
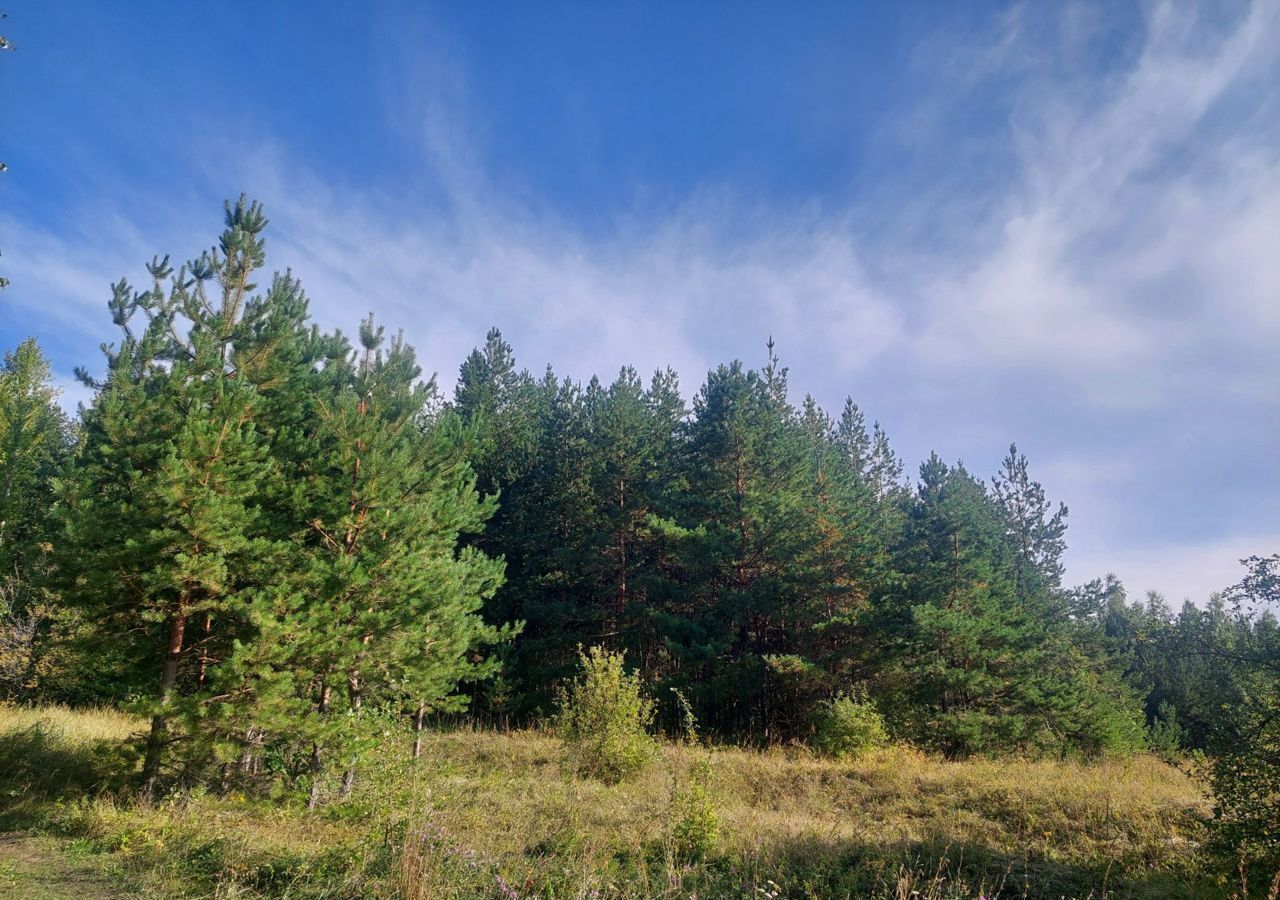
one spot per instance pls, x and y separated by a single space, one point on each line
248 758
205 659
417 729
353 692
313 799
159 725
316 763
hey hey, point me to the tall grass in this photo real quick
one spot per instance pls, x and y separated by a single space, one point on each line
54 753
486 814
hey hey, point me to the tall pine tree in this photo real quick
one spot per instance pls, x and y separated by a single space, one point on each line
162 517
391 604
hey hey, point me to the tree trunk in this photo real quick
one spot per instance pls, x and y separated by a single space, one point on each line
248 758
205 659
417 729
353 692
159 725
313 799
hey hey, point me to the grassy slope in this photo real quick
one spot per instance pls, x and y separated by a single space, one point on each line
497 815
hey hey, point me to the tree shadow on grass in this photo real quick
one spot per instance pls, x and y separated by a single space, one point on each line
40 767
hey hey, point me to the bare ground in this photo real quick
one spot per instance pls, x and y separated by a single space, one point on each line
34 867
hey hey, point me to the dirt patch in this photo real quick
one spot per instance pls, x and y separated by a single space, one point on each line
41 868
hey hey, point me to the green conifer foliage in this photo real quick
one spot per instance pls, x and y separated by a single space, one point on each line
163 513
277 535
261 516
35 444
391 604
579 482
746 562
979 651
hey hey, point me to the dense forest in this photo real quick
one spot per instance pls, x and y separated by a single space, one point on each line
265 536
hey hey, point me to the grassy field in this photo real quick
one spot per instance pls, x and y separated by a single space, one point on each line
487 814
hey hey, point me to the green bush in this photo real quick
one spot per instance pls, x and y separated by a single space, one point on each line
605 716
849 726
693 825
1245 772
1246 785
694 822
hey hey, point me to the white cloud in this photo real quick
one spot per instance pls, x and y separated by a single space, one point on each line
1126 261
59 279
71 392
1178 571
687 292
1112 197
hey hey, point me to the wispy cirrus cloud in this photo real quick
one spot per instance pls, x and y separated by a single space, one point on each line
701 285
1109 299
1129 195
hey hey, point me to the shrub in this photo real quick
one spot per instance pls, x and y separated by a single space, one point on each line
1246 784
849 726
605 716
693 825
694 822
1245 772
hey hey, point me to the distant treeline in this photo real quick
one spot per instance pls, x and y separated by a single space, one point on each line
261 533
762 557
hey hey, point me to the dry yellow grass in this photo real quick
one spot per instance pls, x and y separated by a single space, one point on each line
75 726
491 814
503 794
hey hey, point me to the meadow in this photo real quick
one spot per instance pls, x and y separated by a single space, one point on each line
485 813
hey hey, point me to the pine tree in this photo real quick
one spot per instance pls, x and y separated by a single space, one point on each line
632 431
35 443
848 560
577 471
391 603
162 514
985 667
503 411
1037 535
553 586
747 529
496 401
958 640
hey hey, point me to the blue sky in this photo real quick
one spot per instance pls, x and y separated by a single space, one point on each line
1051 223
